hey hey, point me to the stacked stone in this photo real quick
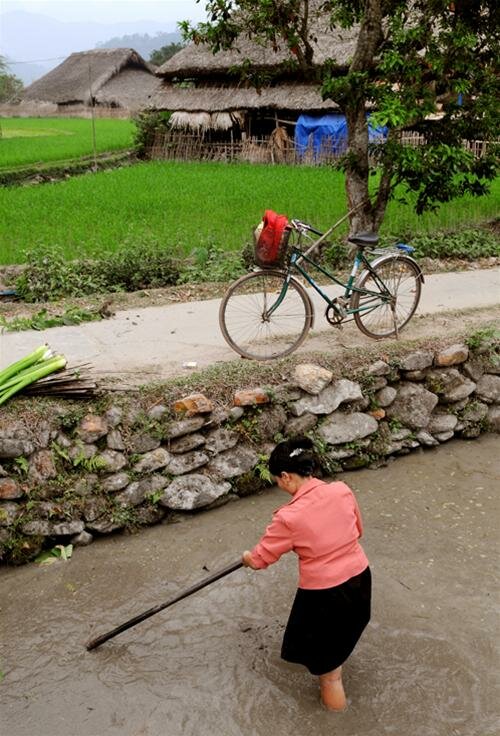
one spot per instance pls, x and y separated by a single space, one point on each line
124 471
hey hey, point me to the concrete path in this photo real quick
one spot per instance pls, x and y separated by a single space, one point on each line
154 342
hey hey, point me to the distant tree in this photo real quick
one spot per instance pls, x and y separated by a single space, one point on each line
429 66
143 43
160 56
10 85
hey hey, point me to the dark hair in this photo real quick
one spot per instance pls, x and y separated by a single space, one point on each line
293 456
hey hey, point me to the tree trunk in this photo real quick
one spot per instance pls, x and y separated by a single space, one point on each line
357 169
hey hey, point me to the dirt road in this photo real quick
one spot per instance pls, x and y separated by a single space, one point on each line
153 343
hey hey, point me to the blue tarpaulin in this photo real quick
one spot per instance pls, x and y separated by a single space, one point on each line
328 134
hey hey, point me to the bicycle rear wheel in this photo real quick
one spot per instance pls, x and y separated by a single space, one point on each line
384 313
251 330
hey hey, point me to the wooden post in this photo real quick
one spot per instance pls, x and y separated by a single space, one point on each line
94 146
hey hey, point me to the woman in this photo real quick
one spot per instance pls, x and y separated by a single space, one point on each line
322 525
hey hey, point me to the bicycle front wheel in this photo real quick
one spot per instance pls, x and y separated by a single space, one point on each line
256 324
393 294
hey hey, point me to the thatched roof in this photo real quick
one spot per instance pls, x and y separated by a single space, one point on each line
132 88
298 97
71 81
199 61
201 121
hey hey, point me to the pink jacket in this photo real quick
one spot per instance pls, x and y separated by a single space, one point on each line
322 525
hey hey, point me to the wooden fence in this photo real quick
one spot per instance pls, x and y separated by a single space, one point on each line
182 146
478 148
189 146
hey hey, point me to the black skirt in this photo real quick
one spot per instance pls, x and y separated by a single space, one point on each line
324 625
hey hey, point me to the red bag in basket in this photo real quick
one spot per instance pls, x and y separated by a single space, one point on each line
271 239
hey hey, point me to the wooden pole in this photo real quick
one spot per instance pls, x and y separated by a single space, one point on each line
92 115
94 643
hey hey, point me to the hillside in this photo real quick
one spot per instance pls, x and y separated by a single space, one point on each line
143 43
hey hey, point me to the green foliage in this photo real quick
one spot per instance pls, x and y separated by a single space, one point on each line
139 265
439 172
61 452
144 424
146 125
469 244
334 255
163 54
143 43
394 424
48 276
89 464
125 515
248 427
484 339
72 417
321 450
11 86
42 320
366 381
255 480
212 263
80 460
249 483
22 466
344 89
262 469
59 552
155 497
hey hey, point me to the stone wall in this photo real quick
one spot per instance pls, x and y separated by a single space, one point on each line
70 475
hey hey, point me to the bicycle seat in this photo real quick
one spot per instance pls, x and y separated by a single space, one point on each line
364 240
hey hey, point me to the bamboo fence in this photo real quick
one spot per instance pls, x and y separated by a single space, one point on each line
183 146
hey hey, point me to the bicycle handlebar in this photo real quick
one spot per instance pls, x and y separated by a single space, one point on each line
304 227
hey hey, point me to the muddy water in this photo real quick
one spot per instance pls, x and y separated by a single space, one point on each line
210 666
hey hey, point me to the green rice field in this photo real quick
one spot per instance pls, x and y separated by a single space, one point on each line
25 141
182 206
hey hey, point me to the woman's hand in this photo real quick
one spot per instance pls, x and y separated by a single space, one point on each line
246 558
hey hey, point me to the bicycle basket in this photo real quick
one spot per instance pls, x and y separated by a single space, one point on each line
271 240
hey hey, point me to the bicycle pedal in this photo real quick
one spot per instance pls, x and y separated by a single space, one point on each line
334 314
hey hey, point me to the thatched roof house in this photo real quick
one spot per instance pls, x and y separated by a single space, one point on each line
215 87
106 78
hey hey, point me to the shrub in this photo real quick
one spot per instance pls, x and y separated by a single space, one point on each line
139 266
212 263
146 124
467 244
48 276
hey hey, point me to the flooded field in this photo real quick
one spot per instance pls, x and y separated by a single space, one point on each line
210 665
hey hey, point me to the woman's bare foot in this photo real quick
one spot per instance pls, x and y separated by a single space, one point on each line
332 691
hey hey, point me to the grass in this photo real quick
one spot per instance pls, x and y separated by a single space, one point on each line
28 141
183 206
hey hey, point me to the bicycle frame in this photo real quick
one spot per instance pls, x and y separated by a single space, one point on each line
359 260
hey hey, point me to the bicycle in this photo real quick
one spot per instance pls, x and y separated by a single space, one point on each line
267 314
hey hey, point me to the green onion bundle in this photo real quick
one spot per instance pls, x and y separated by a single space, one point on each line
40 363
